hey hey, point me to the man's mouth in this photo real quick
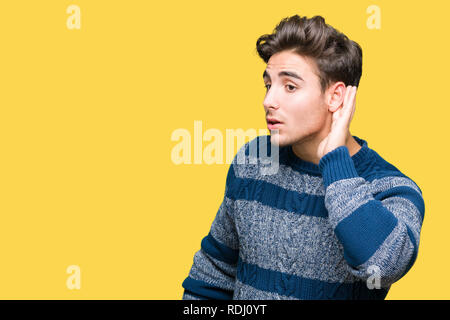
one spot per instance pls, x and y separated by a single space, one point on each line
273 123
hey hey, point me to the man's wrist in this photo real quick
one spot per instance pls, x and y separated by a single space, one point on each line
337 165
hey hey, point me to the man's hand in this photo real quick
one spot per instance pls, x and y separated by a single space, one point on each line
342 117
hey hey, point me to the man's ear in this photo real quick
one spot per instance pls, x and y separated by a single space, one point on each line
335 96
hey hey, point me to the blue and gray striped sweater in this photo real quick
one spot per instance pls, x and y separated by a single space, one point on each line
346 228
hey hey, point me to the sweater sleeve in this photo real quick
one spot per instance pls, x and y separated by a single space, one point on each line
379 231
213 273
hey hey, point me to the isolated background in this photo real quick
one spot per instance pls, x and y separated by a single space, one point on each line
86 117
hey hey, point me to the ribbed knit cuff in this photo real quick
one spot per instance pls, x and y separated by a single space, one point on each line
336 165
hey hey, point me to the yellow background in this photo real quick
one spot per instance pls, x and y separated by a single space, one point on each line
86 176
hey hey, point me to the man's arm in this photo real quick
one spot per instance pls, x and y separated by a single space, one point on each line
213 273
378 234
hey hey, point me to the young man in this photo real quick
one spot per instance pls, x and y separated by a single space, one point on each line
336 221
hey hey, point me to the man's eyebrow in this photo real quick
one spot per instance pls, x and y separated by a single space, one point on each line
283 73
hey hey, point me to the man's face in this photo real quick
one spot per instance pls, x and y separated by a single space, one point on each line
297 103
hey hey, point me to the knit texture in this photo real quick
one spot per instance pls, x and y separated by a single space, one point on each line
309 231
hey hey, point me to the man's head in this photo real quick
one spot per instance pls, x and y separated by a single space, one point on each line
324 60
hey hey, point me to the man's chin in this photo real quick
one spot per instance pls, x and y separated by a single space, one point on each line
277 139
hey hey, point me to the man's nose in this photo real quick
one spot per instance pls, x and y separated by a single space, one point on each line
270 101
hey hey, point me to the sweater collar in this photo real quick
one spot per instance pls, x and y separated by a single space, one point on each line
358 158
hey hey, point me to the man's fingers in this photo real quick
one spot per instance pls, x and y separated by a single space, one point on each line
353 104
348 107
345 113
346 96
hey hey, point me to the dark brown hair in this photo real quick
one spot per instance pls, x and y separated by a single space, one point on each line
337 58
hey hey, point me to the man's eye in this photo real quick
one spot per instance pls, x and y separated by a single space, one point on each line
290 86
